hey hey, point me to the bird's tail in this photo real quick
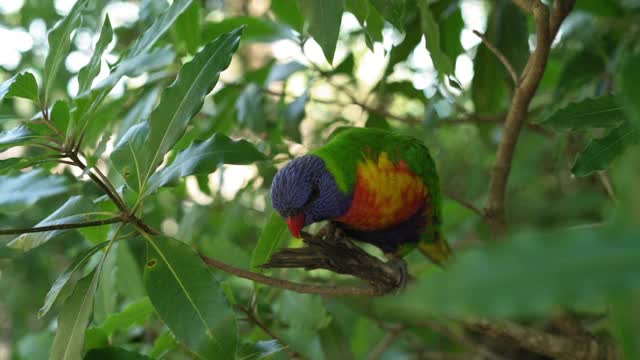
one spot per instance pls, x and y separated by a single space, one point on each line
437 249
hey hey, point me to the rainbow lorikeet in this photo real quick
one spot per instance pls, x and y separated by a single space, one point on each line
377 186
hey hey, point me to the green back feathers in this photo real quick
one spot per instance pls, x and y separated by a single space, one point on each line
348 146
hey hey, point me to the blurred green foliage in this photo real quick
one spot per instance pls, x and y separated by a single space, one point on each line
189 107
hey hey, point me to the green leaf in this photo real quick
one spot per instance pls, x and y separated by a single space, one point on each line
288 11
511 36
274 231
450 20
431 31
107 292
66 277
34 346
159 27
606 256
250 108
59 44
25 189
91 70
257 29
377 121
178 105
73 320
624 321
602 112
324 19
188 27
601 152
128 271
373 28
21 85
359 8
301 311
114 353
392 10
189 299
281 72
629 82
60 115
293 114
14 137
133 66
134 314
163 344
204 158
76 209
335 344
139 112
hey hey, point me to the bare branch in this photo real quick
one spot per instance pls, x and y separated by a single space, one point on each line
112 220
553 346
503 59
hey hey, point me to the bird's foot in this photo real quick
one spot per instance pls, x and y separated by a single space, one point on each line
400 266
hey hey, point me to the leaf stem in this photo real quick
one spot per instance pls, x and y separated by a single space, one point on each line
503 59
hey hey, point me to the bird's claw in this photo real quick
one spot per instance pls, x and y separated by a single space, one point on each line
400 266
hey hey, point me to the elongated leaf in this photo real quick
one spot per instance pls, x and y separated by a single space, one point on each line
107 292
59 44
392 11
21 85
73 320
134 314
159 27
288 11
139 112
204 158
324 23
25 189
301 311
76 209
188 27
431 31
292 115
15 136
60 115
163 344
274 231
282 71
335 344
66 278
129 273
114 353
629 79
257 29
178 105
91 70
136 65
188 298
601 152
359 8
602 112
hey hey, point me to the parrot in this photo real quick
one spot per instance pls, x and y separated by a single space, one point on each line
377 186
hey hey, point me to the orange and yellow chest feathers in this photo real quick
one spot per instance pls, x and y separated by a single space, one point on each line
385 194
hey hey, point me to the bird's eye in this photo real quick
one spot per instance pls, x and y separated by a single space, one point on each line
315 192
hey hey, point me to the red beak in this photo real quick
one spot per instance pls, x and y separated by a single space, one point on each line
296 223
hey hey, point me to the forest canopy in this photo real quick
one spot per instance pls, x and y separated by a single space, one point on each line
139 141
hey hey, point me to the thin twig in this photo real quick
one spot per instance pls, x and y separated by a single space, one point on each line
603 176
503 59
465 203
384 344
251 316
112 220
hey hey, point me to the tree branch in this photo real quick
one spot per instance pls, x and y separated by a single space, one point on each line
524 92
112 220
503 59
328 290
553 346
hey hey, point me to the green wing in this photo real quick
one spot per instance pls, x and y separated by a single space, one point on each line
348 146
